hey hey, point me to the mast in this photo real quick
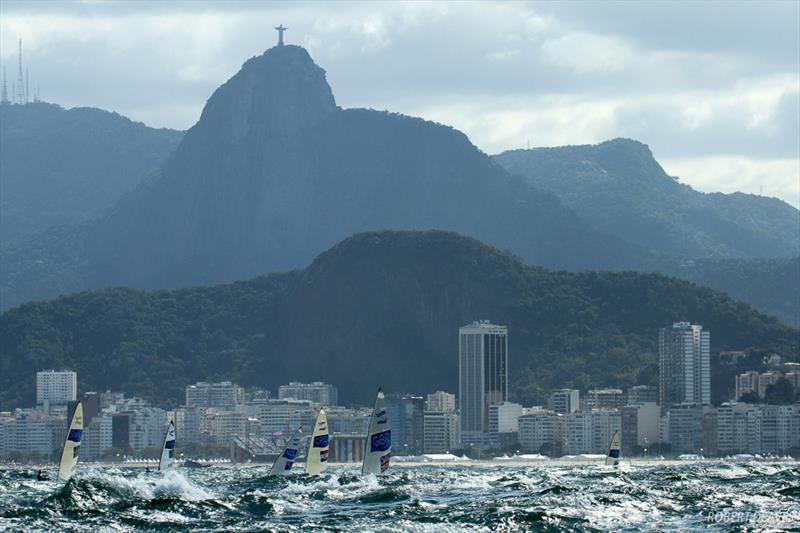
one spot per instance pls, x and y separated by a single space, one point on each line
4 97
19 95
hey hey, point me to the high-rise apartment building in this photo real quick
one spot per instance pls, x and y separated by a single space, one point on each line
684 354
483 375
56 388
318 392
222 394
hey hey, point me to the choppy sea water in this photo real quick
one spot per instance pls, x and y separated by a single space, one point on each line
499 497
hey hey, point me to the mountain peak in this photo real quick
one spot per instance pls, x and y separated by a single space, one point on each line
273 94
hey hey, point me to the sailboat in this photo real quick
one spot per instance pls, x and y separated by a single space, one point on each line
378 447
168 448
72 445
285 460
317 458
613 450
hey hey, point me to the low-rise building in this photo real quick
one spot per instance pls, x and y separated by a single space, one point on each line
640 426
346 448
605 399
285 416
503 417
317 392
758 428
221 395
441 402
578 433
686 428
541 431
347 420
188 422
442 432
32 433
564 401
746 383
406 416
642 394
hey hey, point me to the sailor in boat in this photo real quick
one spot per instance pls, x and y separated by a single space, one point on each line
41 476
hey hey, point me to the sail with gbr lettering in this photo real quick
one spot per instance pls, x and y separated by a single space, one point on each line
317 458
283 464
168 448
378 447
72 445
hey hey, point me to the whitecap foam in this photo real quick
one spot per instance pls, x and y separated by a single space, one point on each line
173 484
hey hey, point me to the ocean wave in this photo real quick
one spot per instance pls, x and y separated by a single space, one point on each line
409 498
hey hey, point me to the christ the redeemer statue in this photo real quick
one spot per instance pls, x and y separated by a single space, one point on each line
280 29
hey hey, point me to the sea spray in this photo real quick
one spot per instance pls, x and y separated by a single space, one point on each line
173 484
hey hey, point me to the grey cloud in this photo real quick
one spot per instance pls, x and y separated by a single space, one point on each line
481 57
722 133
766 31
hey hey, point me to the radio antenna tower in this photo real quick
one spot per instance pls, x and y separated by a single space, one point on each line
20 96
4 97
27 87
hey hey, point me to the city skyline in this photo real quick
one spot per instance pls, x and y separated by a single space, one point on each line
573 422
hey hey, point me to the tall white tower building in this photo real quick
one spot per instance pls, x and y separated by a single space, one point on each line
482 374
684 355
56 388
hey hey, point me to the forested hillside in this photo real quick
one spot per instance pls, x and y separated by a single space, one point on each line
619 188
68 166
377 309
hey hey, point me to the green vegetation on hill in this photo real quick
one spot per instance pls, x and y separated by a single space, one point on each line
619 188
770 285
378 308
68 166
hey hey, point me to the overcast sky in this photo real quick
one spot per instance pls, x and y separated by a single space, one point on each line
713 88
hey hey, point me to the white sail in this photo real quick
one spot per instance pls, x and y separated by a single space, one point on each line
378 447
317 458
168 448
613 450
283 464
72 445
